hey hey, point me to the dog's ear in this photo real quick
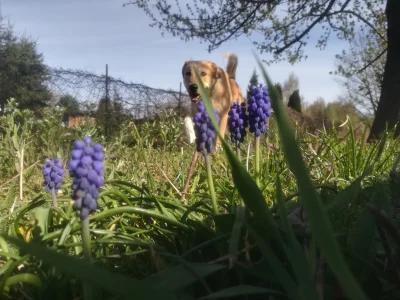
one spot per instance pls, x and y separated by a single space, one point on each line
217 71
183 68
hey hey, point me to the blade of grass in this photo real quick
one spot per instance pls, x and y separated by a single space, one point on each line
10 270
181 276
363 241
24 278
276 265
66 231
119 211
319 222
241 290
112 282
296 254
236 231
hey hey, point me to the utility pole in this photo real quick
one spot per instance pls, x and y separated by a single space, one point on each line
106 119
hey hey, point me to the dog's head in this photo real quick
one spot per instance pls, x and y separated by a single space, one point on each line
209 74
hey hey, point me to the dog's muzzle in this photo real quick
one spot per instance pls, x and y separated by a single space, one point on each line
194 92
193 88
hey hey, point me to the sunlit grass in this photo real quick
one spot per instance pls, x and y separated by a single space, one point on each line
142 229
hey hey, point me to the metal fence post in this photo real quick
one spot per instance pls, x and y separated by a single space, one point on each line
106 119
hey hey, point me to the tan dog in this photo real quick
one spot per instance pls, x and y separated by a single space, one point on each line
221 87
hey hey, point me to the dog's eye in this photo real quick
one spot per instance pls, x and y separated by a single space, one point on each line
203 74
188 73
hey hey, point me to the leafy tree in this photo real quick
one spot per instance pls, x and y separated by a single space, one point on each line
339 111
103 115
70 103
317 108
295 101
285 35
289 86
253 82
336 111
23 73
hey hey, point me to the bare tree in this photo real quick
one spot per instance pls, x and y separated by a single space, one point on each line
289 86
286 26
363 85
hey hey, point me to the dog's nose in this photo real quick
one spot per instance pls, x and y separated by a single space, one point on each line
193 87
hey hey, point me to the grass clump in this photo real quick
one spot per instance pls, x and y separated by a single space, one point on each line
294 216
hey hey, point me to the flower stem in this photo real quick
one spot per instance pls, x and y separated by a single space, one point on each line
257 159
54 197
87 287
268 151
211 183
237 148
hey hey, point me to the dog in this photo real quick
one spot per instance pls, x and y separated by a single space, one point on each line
221 87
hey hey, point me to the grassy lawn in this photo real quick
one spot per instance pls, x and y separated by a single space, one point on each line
147 243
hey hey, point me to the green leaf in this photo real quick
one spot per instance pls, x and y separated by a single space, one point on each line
276 265
364 240
15 140
241 290
386 223
42 217
112 282
5 267
66 231
346 196
118 211
296 254
319 222
3 245
236 231
24 278
8 269
181 276
39 200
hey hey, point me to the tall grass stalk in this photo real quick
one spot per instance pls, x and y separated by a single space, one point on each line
54 197
210 183
237 149
87 287
320 225
21 170
257 160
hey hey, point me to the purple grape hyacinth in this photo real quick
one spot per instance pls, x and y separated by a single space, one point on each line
237 122
87 170
204 129
53 174
259 107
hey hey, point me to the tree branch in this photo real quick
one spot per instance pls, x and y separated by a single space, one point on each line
360 18
130 3
308 29
345 5
372 62
260 1
252 14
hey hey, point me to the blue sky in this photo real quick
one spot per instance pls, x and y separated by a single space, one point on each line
87 34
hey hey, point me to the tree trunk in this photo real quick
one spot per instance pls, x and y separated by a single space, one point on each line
388 110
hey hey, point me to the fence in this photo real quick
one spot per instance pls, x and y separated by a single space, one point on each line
140 101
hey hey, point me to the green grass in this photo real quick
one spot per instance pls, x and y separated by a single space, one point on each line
149 244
